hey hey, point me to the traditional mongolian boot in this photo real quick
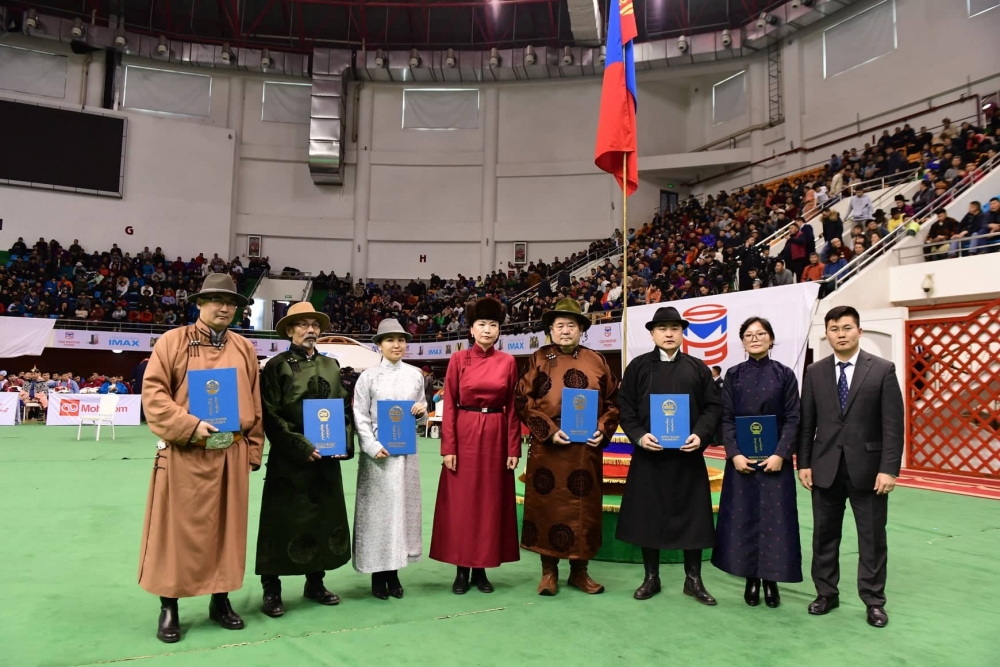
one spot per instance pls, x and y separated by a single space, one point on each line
693 585
461 585
379 589
549 585
483 584
315 590
651 584
392 582
579 578
751 595
168 630
771 597
273 606
220 611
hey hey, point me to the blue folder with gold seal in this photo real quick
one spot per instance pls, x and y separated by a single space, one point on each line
670 419
213 397
579 413
324 425
397 427
757 436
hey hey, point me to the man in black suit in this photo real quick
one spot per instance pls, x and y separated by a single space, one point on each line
850 448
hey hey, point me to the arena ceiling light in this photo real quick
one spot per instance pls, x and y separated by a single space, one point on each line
32 20
529 55
449 58
765 19
120 40
727 38
603 54
379 58
414 58
494 57
161 46
265 59
567 58
682 44
227 53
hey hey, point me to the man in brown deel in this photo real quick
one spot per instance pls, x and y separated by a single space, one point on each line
562 496
195 533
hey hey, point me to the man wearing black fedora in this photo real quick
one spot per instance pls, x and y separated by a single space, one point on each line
667 502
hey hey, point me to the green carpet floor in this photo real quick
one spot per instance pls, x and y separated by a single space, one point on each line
72 516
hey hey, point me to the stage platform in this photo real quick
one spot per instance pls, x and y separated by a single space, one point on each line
72 516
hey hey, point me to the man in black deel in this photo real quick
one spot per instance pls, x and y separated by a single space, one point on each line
667 503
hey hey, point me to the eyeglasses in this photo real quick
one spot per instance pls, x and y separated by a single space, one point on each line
759 335
836 330
222 301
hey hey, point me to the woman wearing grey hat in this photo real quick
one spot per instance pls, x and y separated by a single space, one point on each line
387 509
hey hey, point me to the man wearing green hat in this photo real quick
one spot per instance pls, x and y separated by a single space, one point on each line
303 518
563 498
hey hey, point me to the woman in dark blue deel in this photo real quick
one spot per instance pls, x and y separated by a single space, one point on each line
758 527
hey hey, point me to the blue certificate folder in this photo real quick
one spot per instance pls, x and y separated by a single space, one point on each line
324 426
579 413
397 427
670 419
213 397
757 436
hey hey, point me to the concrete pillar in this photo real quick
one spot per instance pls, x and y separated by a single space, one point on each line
792 95
94 95
234 121
362 184
491 140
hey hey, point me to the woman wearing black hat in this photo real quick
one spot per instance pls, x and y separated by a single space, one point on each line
475 518
758 529
667 502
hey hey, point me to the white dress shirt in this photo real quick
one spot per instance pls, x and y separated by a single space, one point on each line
664 357
849 371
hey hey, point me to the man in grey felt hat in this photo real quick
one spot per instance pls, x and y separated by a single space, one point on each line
195 533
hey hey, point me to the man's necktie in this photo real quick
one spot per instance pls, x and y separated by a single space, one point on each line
842 388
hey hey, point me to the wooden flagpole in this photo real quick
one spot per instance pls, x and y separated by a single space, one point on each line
624 328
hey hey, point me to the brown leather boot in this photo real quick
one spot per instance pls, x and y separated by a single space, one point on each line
578 578
549 585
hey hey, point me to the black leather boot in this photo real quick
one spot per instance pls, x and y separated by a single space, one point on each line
392 582
220 611
273 606
168 630
483 584
693 585
771 597
752 593
315 590
379 589
651 583
461 585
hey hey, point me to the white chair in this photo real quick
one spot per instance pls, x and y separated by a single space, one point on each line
29 404
105 415
438 417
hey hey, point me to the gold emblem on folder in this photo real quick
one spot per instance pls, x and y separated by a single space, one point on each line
324 415
212 387
669 408
579 402
396 413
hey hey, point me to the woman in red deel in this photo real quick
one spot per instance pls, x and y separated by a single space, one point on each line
475 518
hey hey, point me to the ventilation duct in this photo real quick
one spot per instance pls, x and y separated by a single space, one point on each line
328 115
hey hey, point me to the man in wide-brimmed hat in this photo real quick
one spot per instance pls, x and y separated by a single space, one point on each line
195 534
562 502
303 518
671 480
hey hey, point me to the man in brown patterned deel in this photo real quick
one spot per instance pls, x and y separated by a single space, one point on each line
562 497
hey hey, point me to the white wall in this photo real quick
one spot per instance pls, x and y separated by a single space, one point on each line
961 279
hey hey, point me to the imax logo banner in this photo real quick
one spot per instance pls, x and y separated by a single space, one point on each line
517 345
123 342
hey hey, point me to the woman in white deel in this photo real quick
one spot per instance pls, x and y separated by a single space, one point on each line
387 509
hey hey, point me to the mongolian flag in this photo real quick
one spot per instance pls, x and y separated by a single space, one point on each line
616 125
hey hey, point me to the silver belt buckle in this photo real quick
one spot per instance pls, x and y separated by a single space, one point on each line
485 410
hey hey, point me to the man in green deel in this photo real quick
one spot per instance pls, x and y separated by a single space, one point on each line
303 519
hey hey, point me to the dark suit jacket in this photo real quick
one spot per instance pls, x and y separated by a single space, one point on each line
869 433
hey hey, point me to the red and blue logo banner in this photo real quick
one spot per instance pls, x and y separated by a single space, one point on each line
616 134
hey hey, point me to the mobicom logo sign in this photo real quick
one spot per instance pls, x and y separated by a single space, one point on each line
706 336
69 407
123 342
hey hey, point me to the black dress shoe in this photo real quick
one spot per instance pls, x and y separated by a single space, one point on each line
751 595
273 605
877 618
771 596
483 584
168 629
317 591
650 586
461 585
379 589
392 583
824 604
220 611
694 587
